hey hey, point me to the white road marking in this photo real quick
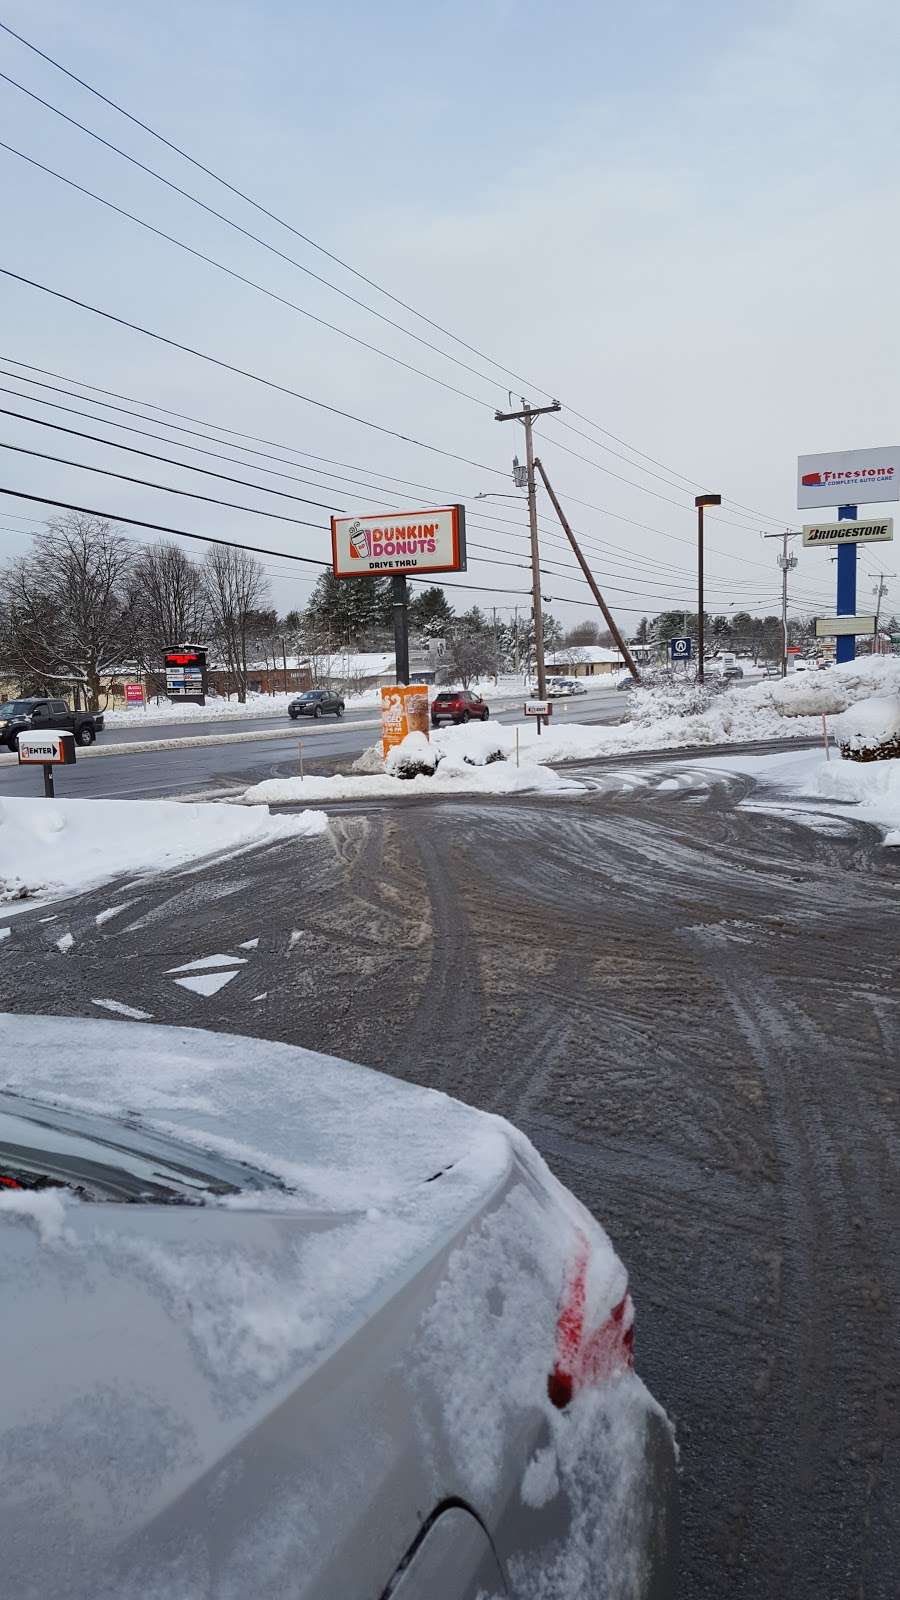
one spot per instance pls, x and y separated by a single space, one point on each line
112 911
210 961
206 983
248 944
263 996
124 1011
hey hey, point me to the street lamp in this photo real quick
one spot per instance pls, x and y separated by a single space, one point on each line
701 502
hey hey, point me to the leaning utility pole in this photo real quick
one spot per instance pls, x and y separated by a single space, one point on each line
526 416
624 651
787 564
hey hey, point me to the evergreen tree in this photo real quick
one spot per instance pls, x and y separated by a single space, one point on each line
430 613
341 610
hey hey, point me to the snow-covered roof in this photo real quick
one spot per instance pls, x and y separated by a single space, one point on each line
583 653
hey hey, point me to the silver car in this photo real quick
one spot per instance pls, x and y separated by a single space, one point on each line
279 1326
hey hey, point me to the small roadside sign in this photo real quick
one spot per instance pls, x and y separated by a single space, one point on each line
48 749
404 709
134 694
538 708
681 649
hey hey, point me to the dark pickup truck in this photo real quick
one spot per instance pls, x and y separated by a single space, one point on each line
35 712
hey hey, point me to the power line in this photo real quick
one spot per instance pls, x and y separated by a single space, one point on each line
602 546
153 455
241 277
243 372
165 488
330 255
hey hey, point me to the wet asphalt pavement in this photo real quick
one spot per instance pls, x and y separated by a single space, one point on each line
693 1008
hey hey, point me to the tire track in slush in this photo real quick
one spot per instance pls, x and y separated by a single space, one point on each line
827 1343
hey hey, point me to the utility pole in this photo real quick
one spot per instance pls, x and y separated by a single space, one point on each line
879 591
701 502
527 416
787 564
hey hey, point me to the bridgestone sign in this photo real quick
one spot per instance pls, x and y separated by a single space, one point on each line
395 543
869 531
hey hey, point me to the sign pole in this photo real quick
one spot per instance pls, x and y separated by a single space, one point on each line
846 587
48 781
400 599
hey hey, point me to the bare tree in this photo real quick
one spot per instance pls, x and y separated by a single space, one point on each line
467 658
235 587
170 602
69 615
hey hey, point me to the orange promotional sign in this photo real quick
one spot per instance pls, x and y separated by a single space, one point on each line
404 709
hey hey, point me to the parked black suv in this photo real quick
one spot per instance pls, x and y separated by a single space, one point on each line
35 713
315 703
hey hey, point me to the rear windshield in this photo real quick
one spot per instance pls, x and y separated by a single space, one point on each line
448 694
99 1158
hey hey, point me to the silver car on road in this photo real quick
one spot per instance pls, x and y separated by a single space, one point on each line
276 1325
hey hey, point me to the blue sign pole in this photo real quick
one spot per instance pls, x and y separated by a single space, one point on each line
846 587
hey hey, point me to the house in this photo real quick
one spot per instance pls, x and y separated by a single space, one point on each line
583 661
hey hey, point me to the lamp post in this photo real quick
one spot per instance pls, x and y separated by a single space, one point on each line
701 502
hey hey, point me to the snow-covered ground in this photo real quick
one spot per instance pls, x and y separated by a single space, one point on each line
50 848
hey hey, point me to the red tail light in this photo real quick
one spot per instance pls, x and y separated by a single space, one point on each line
9 1183
588 1356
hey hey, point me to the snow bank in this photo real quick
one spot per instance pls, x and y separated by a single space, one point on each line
451 777
413 755
874 786
871 727
830 691
54 847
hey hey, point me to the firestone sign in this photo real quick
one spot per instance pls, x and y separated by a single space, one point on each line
849 477
399 543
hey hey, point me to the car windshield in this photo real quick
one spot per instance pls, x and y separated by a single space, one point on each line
15 708
312 694
42 1147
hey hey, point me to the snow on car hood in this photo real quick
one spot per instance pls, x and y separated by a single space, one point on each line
340 1136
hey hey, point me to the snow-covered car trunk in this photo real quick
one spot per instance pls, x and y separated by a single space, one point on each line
274 1391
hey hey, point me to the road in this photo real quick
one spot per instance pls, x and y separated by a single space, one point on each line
693 1009
221 769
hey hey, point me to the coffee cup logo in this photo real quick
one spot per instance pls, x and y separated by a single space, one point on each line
360 544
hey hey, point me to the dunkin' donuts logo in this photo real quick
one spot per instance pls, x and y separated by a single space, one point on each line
360 542
399 539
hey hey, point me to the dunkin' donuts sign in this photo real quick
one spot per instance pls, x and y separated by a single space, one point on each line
404 542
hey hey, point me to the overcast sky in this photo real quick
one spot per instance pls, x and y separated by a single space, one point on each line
680 219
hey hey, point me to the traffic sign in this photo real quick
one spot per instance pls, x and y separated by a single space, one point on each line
681 649
538 708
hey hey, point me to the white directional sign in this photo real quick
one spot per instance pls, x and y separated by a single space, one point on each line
839 627
870 530
849 477
538 708
50 747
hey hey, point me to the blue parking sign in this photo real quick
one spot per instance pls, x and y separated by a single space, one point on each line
681 649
